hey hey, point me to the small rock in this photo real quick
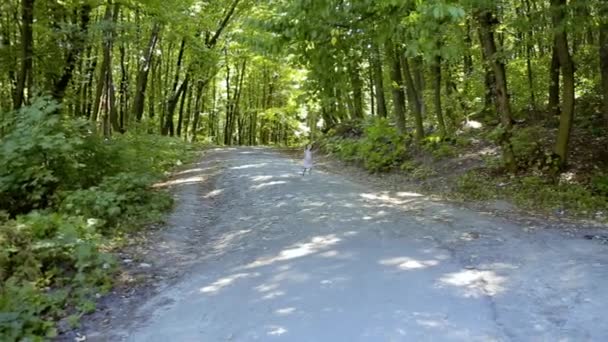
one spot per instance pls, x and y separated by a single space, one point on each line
145 265
127 261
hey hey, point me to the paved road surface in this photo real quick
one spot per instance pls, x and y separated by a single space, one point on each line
319 258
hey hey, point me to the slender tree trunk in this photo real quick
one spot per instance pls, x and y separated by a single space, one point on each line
529 47
74 52
357 86
228 123
180 117
197 109
436 71
604 56
142 74
168 127
553 106
487 22
397 87
413 100
25 77
567 69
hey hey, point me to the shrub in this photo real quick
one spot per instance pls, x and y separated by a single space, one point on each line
49 262
382 147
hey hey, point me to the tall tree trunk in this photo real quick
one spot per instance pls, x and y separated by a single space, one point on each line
123 88
168 126
529 48
567 69
436 71
228 123
197 109
553 106
604 56
25 77
487 22
397 87
142 74
357 86
413 99
77 41
180 117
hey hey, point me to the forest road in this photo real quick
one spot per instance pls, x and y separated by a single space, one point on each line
320 258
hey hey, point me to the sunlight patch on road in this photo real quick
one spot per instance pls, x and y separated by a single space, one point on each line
261 178
316 244
476 283
405 263
189 180
276 330
285 311
249 166
226 281
385 198
264 185
214 193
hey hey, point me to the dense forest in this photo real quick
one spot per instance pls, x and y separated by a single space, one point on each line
100 98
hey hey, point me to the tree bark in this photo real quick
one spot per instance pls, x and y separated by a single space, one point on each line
567 69
78 40
603 54
436 71
487 22
25 77
168 126
413 100
142 74
553 106
397 87
357 86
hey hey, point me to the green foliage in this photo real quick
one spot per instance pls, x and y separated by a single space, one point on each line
41 154
382 147
85 190
50 261
476 185
379 149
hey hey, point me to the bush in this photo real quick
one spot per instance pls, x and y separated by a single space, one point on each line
119 200
382 147
40 154
49 262
64 193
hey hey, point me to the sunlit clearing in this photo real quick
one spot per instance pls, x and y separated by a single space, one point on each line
476 283
213 193
264 185
248 166
188 180
261 178
285 311
316 244
405 263
221 283
277 331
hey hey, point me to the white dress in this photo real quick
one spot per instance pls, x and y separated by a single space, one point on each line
307 159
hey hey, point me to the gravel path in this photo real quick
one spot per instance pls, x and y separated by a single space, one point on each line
320 258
